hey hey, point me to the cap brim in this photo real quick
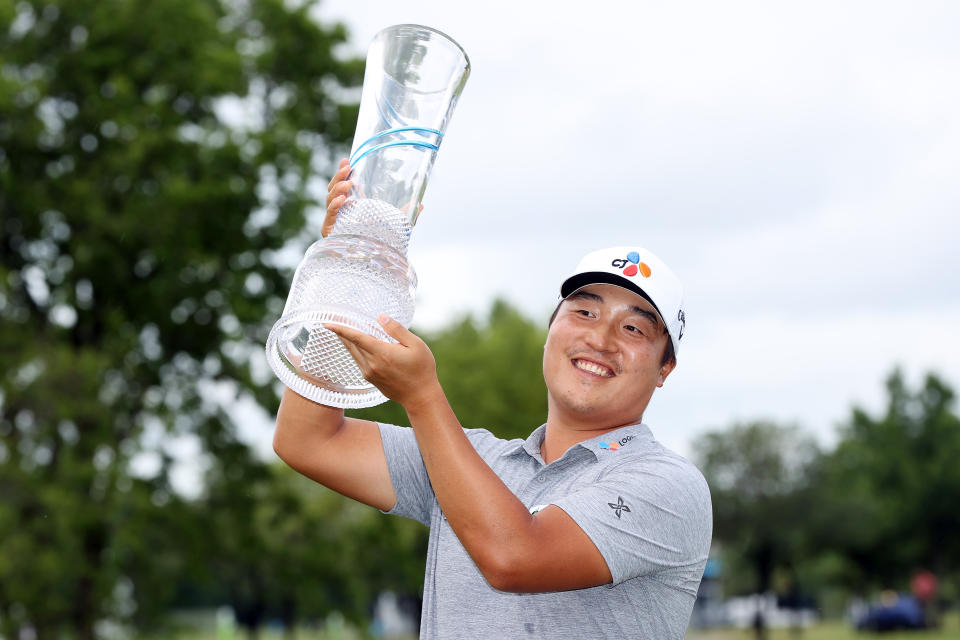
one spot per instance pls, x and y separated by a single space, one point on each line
575 283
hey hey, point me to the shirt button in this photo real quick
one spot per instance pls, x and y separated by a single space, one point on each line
541 479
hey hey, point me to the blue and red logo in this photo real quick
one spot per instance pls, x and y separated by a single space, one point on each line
631 265
613 446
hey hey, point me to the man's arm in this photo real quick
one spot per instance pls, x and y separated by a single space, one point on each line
514 550
344 454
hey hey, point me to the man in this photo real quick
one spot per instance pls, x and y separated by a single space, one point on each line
590 528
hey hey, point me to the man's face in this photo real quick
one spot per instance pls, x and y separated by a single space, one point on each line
601 361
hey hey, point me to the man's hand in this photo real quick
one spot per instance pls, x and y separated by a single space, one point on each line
405 372
337 192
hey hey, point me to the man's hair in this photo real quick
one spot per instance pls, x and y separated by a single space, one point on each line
669 355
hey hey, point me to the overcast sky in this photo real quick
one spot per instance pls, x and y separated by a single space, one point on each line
795 165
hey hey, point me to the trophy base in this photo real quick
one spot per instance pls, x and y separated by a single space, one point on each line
345 280
313 362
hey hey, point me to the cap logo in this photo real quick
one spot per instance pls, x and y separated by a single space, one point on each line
631 265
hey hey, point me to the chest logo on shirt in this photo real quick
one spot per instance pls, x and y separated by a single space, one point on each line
619 507
613 446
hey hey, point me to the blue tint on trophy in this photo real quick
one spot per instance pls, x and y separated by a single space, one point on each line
633 257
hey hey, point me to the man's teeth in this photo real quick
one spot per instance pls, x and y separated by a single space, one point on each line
593 368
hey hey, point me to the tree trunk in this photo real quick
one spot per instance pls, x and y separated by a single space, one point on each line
764 568
288 609
86 608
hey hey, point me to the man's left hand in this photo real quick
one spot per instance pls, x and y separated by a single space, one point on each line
405 372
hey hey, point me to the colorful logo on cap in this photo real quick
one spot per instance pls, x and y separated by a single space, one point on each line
631 265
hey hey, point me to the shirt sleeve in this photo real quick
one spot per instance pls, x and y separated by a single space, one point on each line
408 474
647 516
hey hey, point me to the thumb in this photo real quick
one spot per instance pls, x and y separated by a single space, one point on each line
396 330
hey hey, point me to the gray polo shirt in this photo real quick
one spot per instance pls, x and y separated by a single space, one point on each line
646 509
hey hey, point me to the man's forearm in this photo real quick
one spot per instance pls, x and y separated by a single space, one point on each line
302 424
344 454
491 522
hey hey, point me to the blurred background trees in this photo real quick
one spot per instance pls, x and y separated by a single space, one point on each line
159 162
888 491
864 516
155 158
759 481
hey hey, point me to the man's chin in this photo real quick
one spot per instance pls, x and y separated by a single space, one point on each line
584 407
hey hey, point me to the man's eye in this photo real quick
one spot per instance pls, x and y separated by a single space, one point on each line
585 312
633 329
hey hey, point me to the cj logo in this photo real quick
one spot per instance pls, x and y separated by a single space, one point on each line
613 446
619 506
631 265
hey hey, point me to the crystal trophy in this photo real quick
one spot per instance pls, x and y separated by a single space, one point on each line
414 76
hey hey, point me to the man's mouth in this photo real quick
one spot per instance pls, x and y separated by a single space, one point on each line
593 367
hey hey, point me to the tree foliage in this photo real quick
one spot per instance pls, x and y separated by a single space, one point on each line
865 515
140 222
758 474
888 491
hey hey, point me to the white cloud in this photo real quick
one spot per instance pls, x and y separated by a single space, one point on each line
796 165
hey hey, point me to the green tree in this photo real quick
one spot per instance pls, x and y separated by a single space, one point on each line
493 374
758 474
889 488
140 225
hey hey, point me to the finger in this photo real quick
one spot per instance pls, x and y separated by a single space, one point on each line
396 330
340 174
366 343
331 218
330 198
358 355
334 204
343 165
341 188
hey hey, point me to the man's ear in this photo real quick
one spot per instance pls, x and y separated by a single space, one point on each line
665 371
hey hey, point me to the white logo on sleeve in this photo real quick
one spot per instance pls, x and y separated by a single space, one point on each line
539 507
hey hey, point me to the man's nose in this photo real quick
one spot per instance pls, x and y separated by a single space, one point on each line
601 336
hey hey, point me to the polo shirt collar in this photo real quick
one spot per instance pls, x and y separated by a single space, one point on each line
630 437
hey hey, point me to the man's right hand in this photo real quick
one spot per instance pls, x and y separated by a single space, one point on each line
337 192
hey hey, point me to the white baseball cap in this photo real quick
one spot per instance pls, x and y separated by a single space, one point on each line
639 271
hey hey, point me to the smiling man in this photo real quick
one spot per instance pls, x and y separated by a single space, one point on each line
587 529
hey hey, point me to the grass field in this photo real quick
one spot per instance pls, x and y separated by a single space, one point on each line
950 630
828 631
833 631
